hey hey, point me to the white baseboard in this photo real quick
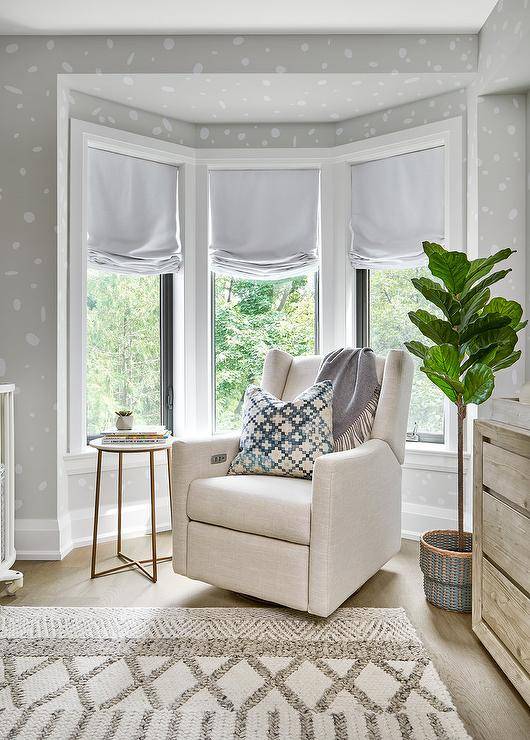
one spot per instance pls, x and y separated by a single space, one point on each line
419 518
408 535
37 539
49 539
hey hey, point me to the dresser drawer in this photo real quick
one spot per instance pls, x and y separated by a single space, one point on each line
507 473
507 611
506 539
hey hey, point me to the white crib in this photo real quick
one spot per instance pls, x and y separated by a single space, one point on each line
10 580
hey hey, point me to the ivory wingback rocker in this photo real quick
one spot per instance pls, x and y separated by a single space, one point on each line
306 544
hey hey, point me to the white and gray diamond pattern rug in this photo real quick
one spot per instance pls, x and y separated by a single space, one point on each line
216 674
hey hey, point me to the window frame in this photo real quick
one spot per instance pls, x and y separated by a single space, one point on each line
82 136
273 160
165 289
364 340
448 134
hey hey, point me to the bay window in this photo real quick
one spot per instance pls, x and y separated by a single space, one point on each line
258 259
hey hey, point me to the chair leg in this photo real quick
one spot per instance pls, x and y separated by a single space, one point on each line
96 517
153 514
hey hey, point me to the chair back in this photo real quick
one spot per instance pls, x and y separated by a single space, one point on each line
286 377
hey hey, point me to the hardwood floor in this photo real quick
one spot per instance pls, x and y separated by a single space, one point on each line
490 708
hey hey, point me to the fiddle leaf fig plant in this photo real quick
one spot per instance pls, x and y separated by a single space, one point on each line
475 338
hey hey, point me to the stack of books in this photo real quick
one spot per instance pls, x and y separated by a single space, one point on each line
141 435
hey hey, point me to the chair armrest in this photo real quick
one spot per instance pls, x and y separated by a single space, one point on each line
355 521
192 459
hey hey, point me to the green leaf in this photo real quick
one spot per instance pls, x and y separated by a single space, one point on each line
504 335
442 383
435 293
520 326
468 294
445 360
505 308
478 384
507 361
442 367
485 323
504 350
484 355
483 265
417 348
473 306
451 267
431 326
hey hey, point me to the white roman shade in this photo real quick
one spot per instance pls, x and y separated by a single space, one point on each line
396 204
132 214
264 224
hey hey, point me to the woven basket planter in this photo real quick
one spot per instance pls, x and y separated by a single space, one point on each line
446 571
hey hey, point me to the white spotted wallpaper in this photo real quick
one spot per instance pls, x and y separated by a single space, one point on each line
108 113
402 117
28 174
254 135
501 198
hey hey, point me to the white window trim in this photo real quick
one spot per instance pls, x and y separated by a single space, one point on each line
82 136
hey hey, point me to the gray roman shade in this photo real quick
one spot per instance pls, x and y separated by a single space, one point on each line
396 204
264 224
132 214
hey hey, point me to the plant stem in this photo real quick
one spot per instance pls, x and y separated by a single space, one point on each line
461 407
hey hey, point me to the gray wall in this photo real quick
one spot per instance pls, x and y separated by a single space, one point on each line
28 80
108 113
499 157
528 232
502 201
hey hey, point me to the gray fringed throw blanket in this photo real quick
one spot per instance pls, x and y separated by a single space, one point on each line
355 394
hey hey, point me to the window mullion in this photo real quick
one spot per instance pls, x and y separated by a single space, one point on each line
166 349
362 308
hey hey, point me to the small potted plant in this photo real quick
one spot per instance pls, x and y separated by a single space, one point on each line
124 419
475 338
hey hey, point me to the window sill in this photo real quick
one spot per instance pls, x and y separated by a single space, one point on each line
433 456
84 461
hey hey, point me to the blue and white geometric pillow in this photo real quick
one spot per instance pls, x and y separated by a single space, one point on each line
285 437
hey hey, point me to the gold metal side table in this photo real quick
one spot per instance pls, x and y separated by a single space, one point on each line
122 449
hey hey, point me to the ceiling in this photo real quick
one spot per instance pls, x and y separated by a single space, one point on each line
251 98
243 16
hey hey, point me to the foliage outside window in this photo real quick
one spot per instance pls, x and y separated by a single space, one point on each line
123 348
392 296
250 317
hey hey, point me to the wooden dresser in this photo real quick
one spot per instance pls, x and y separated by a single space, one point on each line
501 547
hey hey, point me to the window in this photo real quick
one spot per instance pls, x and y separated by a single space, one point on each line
264 245
397 202
128 348
250 317
132 248
391 297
